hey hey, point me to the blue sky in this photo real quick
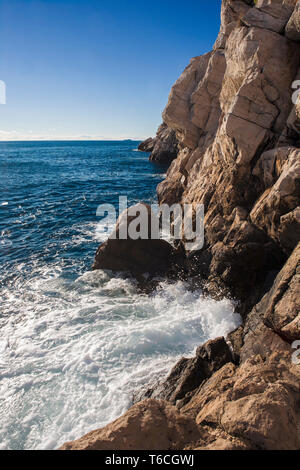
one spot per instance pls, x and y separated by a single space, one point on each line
96 69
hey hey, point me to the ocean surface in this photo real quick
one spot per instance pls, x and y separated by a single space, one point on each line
76 344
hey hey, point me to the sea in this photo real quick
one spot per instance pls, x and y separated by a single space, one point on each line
75 344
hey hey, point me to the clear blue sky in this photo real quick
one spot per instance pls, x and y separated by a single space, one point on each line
96 68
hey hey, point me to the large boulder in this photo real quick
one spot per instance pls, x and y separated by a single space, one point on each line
144 254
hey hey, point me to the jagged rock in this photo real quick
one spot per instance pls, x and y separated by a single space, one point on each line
231 12
275 211
147 145
149 425
292 30
274 322
260 19
164 147
177 113
257 402
293 121
282 304
188 374
136 256
235 340
289 229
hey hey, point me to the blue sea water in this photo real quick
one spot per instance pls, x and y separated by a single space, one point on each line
75 344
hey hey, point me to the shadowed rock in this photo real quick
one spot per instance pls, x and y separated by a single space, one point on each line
136 256
164 147
147 145
188 374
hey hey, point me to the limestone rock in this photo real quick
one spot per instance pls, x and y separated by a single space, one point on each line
227 108
274 322
177 112
277 8
231 12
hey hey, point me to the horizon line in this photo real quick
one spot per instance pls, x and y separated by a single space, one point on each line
72 140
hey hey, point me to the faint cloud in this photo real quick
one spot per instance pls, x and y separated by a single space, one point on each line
2 92
30 135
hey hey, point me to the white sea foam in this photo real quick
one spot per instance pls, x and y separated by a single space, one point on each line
73 352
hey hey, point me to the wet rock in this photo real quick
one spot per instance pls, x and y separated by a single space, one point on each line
188 374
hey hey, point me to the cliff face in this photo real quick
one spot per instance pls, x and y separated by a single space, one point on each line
236 124
238 152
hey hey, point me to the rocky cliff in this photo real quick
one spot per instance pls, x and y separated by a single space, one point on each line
235 115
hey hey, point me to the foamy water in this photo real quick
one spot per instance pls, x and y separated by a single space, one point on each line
72 355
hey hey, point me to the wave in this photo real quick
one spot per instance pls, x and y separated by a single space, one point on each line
72 352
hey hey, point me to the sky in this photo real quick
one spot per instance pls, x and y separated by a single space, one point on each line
93 69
